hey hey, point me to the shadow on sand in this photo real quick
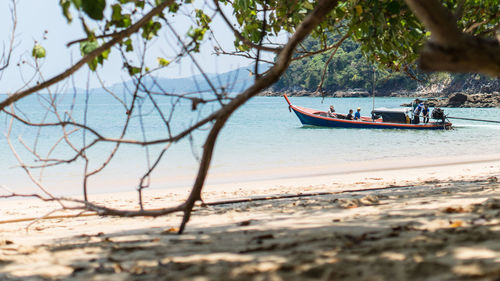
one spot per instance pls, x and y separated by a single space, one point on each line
415 242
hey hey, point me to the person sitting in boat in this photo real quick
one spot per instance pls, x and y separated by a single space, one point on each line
425 113
331 112
416 113
349 116
357 115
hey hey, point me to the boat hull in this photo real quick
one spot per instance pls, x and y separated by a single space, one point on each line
312 117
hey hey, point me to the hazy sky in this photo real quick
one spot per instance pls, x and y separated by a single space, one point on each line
36 16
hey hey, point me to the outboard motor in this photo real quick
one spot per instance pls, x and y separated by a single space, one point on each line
437 114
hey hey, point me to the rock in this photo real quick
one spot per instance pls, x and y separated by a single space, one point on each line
269 93
472 84
473 100
432 102
399 94
298 93
266 93
457 100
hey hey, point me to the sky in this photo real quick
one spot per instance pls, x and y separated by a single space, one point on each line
36 17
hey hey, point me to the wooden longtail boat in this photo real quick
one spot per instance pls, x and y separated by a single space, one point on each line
386 119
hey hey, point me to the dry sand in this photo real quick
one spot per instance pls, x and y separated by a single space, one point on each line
434 221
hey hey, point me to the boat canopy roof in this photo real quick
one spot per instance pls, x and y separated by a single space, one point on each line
400 110
393 115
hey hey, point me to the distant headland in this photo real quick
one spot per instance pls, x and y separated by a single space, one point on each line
456 93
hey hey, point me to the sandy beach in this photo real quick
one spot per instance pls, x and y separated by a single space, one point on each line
437 219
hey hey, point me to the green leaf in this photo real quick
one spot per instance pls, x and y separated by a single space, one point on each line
77 3
116 15
308 5
140 4
105 54
150 29
132 70
393 7
87 47
65 5
174 7
117 18
128 44
94 8
162 61
93 64
38 51
244 4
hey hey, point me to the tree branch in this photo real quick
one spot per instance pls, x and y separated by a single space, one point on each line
220 117
448 48
116 39
305 28
337 45
240 37
12 36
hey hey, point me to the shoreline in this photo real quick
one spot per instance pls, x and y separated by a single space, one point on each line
342 172
357 175
339 173
446 100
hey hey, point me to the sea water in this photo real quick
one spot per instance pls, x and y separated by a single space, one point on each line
262 140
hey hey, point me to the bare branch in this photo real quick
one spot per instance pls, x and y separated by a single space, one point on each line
191 56
310 22
37 183
96 37
141 93
116 39
241 37
337 45
13 11
262 35
326 49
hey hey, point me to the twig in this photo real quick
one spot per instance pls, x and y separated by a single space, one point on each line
337 45
283 60
241 37
116 39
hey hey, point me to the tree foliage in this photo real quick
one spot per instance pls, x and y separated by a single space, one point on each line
387 31
348 69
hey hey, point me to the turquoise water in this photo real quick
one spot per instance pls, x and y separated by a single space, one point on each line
258 141
266 127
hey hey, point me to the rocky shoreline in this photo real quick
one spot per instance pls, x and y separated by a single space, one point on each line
457 99
465 100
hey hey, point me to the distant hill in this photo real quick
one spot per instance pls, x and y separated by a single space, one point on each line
349 73
232 81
